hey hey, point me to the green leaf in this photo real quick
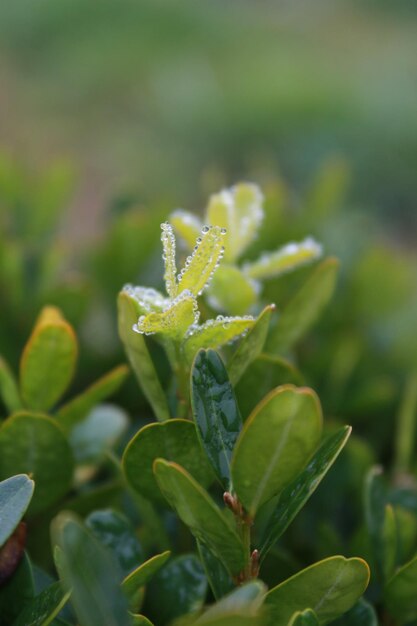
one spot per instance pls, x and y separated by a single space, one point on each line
216 413
238 210
79 407
177 589
91 572
362 614
400 593
15 495
246 600
305 307
380 522
187 225
17 592
174 321
139 356
231 291
168 244
296 494
115 532
133 583
217 575
251 345
276 442
140 620
198 511
98 433
304 618
175 440
330 588
265 373
44 607
289 257
203 261
48 361
9 390
406 420
35 445
215 333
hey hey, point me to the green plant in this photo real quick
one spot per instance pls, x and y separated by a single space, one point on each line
195 518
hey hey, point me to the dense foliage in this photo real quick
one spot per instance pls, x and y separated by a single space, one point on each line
192 500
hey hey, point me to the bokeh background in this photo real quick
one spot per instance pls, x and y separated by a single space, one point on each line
115 112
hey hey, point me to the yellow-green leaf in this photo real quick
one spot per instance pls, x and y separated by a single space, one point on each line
48 361
289 257
174 322
251 345
132 583
197 510
215 333
168 256
175 440
238 210
203 261
232 291
187 225
139 356
275 444
330 588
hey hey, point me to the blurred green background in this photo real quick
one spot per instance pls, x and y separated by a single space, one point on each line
115 112
165 100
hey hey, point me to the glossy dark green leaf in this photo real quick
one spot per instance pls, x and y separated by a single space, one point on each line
17 592
296 494
177 589
400 593
215 411
139 356
362 614
276 442
48 361
98 433
265 373
218 577
44 607
174 440
305 307
15 495
91 571
9 390
330 588
246 600
34 444
143 574
198 511
251 345
304 618
79 407
114 531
